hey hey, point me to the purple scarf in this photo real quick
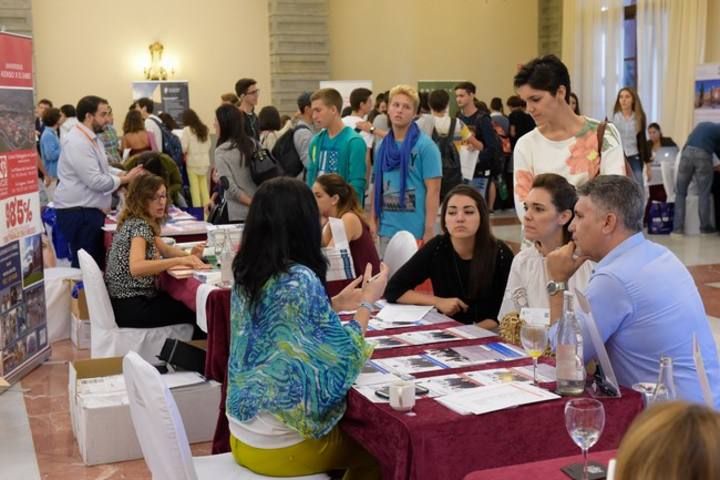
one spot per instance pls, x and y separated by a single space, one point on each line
392 156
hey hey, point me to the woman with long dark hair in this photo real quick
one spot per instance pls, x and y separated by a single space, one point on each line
467 265
135 137
337 199
232 154
195 141
291 360
548 212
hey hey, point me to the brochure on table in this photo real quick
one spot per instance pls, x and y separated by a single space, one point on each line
446 358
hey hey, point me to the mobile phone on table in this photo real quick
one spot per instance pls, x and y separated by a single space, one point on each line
384 392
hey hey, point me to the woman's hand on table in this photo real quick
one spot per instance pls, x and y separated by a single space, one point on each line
192 261
198 250
450 306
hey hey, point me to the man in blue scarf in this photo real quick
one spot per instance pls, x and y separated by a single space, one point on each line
408 171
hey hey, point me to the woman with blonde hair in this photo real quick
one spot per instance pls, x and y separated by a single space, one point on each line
671 441
629 118
138 255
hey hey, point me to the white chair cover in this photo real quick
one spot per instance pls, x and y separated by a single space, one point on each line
161 432
201 297
57 300
400 249
107 340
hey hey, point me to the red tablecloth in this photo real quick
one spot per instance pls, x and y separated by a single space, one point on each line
545 470
436 443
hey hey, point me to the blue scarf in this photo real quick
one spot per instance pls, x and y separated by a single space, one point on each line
391 157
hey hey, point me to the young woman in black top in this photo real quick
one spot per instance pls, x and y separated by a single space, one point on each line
467 265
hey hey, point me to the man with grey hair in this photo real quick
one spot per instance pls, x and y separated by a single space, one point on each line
643 299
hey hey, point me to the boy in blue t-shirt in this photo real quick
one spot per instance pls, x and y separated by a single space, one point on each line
411 204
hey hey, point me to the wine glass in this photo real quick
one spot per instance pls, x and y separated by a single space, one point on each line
584 420
534 340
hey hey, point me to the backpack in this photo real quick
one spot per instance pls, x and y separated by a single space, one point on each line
503 138
172 146
452 172
286 153
263 165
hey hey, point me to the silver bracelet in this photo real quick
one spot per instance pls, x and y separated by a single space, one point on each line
367 305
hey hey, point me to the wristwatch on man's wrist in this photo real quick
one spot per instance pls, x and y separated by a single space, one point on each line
554 287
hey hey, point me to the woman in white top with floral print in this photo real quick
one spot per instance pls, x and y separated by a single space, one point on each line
563 142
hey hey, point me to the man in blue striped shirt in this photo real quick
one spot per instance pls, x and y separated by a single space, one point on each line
643 299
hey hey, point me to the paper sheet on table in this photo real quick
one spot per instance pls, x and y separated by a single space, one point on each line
472 332
447 384
597 342
374 374
385 341
458 357
702 375
410 364
495 397
494 376
395 313
468 160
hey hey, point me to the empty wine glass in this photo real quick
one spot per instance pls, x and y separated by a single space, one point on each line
534 340
584 420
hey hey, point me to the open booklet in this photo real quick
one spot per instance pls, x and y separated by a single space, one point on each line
450 358
399 316
465 332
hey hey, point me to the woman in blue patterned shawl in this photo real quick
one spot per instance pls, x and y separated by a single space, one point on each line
291 360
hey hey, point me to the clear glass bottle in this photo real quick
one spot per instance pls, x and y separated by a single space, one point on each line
570 367
226 260
665 387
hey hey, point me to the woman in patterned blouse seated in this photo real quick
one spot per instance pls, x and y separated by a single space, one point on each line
138 255
291 360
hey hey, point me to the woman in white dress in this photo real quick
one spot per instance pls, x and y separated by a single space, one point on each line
548 212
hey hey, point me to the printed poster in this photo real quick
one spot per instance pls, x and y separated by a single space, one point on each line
171 97
23 325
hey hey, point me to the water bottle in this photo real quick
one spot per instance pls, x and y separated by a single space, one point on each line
570 366
226 260
665 387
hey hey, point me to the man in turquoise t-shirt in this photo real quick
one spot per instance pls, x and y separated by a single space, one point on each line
337 148
417 214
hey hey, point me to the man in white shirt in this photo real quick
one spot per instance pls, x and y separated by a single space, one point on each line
152 122
83 194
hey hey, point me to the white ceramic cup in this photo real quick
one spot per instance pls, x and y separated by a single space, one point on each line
402 396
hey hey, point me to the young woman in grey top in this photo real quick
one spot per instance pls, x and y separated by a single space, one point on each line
232 154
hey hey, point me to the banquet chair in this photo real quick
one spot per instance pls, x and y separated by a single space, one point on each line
162 436
401 247
106 338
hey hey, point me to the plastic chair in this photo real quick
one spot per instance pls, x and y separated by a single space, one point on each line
109 340
400 249
162 436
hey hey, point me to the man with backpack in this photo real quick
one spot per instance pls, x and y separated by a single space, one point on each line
291 149
165 142
337 148
152 122
448 133
481 125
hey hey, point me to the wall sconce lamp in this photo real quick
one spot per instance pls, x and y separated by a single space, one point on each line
158 68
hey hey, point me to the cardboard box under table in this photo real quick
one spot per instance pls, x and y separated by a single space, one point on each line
100 413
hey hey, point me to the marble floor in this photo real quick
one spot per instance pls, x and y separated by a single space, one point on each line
35 432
